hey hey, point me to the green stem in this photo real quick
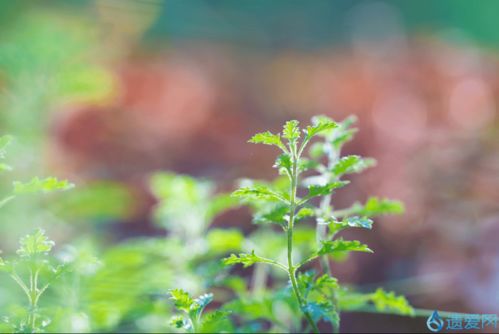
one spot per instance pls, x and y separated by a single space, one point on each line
291 268
321 230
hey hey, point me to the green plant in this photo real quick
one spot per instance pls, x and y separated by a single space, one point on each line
193 319
293 200
33 260
32 263
35 185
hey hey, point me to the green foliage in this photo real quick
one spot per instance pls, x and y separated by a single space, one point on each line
259 193
125 289
193 319
267 138
187 200
41 185
317 296
247 260
36 185
35 244
34 262
351 164
379 301
327 189
340 245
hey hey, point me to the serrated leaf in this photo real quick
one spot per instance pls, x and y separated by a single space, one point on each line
337 226
48 184
352 164
384 301
182 300
267 138
321 126
323 190
35 244
259 193
340 245
247 260
291 130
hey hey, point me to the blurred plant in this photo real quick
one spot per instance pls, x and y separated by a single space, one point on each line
125 291
331 167
317 296
34 185
194 320
32 262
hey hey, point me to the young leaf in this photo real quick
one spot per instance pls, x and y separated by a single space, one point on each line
259 193
182 300
291 131
336 226
352 164
268 138
321 126
41 185
247 260
340 245
35 244
317 190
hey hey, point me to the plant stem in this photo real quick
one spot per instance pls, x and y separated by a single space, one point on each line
321 230
291 268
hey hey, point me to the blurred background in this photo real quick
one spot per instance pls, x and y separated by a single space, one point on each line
106 92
